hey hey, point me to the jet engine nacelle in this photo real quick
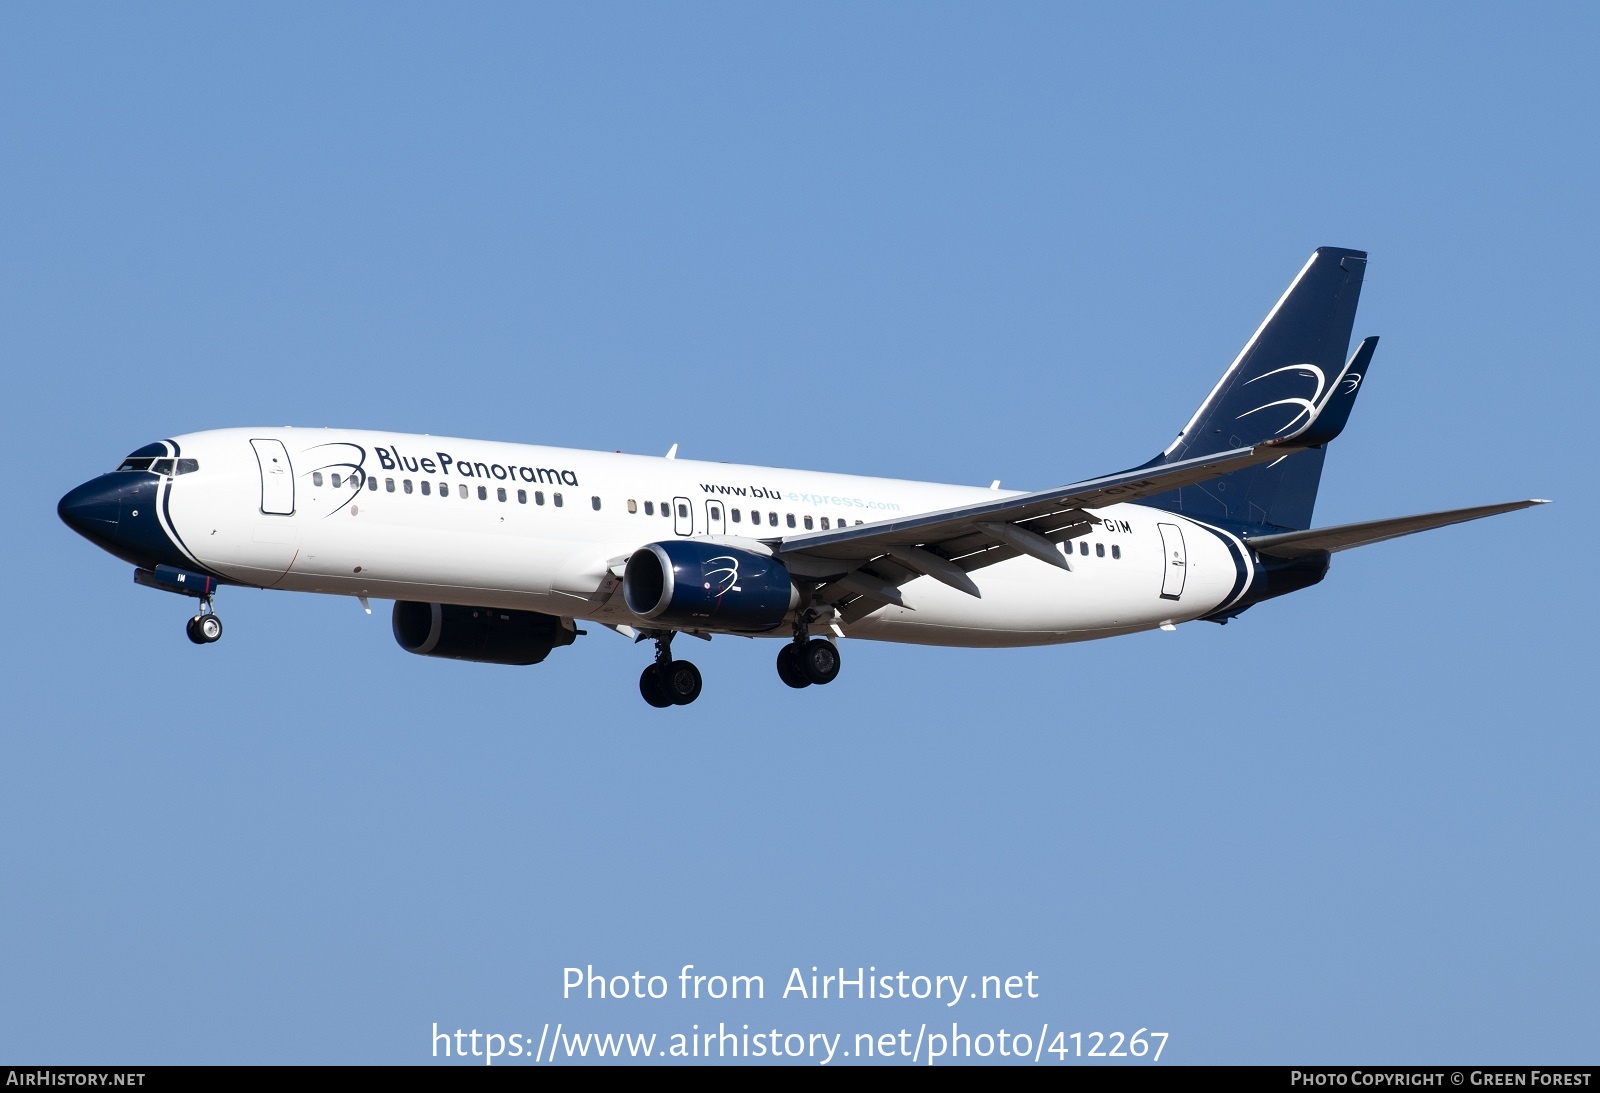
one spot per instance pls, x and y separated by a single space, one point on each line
693 583
485 634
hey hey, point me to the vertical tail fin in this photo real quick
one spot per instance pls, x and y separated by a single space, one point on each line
1288 372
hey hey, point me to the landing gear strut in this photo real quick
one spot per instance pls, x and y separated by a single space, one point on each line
206 627
807 660
669 682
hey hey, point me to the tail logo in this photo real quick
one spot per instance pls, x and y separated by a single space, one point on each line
1308 407
1351 382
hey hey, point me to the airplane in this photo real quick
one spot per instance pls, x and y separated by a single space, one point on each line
495 552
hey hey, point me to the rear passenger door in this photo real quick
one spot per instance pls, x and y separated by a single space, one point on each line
1175 563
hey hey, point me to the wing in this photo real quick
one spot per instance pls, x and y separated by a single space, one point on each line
859 569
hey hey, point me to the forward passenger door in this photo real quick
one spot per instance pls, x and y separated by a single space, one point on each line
277 477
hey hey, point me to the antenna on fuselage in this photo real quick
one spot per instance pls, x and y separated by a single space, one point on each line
672 452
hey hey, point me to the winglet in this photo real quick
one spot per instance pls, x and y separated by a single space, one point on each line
1341 397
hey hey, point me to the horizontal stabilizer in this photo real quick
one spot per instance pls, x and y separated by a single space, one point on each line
1297 544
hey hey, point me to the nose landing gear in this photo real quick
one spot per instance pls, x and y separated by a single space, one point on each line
205 627
669 682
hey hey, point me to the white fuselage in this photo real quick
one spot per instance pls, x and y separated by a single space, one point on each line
543 529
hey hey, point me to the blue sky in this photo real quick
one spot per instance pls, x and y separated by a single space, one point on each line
934 241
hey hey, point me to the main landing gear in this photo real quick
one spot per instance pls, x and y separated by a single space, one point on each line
807 660
205 627
669 682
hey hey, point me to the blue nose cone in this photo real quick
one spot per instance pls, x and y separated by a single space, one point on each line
93 509
117 513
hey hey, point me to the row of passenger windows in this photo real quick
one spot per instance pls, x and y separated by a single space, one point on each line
666 509
738 517
161 466
425 488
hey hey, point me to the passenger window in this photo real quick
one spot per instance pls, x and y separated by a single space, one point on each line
372 484
188 466
594 502
824 523
808 523
522 497
538 497
1099 550
500 492
1116 550
683 511
772 519
1083 548
463 489
735 514
316 478
666 509
483 493
407 485
335 481
388 485
649 508
427 488
790 518
556 499
633 506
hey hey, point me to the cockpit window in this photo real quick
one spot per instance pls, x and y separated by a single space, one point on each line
157 457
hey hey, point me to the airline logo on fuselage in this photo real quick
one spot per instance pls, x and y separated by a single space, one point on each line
392 459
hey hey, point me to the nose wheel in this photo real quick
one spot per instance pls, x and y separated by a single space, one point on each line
205 627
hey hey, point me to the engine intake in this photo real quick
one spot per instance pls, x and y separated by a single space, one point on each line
484 634
692 583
